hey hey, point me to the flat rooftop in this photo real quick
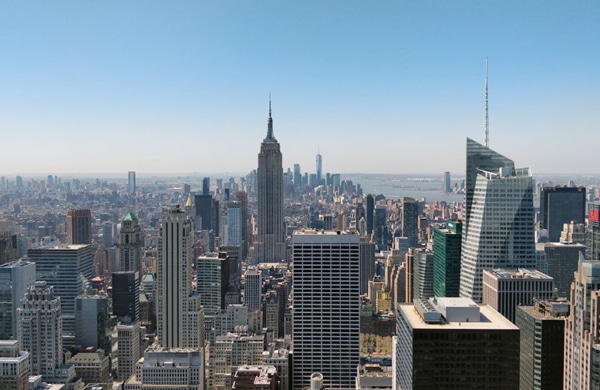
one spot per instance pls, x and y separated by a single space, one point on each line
490 319
520 273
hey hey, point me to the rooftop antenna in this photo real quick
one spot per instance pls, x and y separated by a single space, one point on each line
487 118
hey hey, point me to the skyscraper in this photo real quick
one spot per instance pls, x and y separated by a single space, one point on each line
447 182
498 230
15 278
270 246
212 275
410 220
446 259
179 315
126 295
319 163
326 313
75 265
79 226
370 209
130 244
560 205
131 182
40 328
253 288
129 349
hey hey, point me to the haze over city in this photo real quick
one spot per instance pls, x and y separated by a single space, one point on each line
391 87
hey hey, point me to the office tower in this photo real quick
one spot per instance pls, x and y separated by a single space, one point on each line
446 259
232 224
560 205
319 163
8 247
326 274
370 209
270 246
131 182
79 226
15 278
130 244
206 186
504 289
582 329
179 314
165 369
271 317
573 233
561 264
91 322
242 197
454 343
297 176
447 182
422 273
14 366
39 329
255 378
204 210
367 263
253 288
542 344
592 251
498 230
126 295
212 275
75 265
380 226
128 336
409 275
410 219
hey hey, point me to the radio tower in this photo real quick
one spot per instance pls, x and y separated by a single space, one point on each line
487 118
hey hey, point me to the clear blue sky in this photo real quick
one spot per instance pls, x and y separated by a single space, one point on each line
377 86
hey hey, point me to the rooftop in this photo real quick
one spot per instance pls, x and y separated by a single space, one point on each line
520 273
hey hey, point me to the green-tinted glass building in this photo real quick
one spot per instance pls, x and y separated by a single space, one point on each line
446 259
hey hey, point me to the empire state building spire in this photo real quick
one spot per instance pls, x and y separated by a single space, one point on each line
270 137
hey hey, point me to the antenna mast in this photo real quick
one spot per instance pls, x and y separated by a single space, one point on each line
487 118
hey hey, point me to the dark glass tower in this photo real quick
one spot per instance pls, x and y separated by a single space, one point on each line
560 205
446 260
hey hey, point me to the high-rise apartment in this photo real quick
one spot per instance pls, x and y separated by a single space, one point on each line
498 230
79 226
179 314
270 246
446 259
75 265
410 220
130 244
560 205
15 278
40 328
326 307
582 329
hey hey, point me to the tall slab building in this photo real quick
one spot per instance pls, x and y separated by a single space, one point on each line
179 314
498 230
270 246
326 309
79 226
130 244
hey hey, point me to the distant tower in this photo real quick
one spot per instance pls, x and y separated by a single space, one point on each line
79 226
297 176
271 246
410 220
370 209
131 182
560 205
319 161
130 244
40 328
447 182
326 307
179 315
487 118
498 230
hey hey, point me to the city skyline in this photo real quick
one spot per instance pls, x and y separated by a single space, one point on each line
111 83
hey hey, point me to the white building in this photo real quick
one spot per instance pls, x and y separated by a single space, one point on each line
230 352
14 366
498 230
179 313
326 307
128 336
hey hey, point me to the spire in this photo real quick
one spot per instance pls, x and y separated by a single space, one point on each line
270 136
487 119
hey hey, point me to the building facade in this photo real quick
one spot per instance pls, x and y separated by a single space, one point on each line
446 259
15 278
130 244
560 205
79 227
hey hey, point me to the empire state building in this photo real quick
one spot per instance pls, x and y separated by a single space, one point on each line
270 246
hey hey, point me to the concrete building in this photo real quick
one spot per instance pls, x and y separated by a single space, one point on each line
129 351
270 246
367 262
498 230
582 330
75 265
212 281
15 278
230 352
542 344
374 377
422 273
573 233
168 369
504 290
39 329
79 227
446 259
14 366
92 367
130 244
454 343
561 261
253 288
560 205
326 302
279 358
255 378
179 313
